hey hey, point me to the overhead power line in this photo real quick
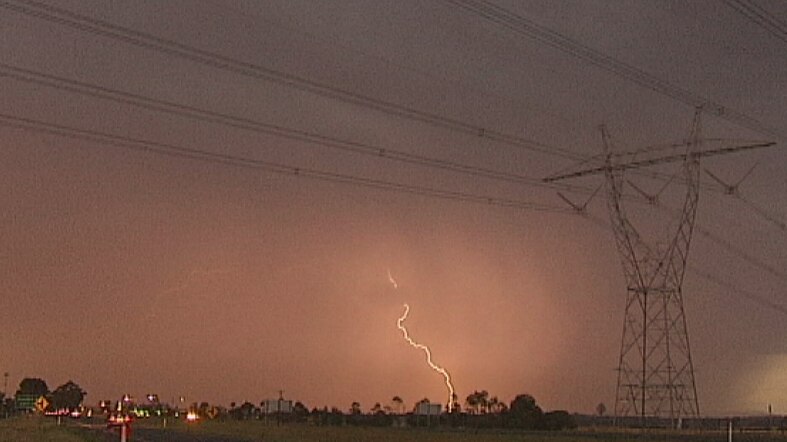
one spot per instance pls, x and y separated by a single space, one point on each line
764 302
771 217
741 253
760 16
677 153
736 290
145 146
140 39
523 26
106 139
237 67
247 124
191 112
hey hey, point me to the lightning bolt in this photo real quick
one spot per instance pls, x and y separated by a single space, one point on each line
424 348
392 280
185 283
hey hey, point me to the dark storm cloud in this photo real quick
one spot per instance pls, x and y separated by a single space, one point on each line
133 272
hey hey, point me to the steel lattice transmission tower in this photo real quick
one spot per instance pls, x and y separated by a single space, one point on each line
655 370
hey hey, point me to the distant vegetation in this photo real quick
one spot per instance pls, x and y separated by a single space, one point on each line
480 411
65 398
480 417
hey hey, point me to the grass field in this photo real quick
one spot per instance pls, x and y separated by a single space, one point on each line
350 434
259 431
38 428
46 429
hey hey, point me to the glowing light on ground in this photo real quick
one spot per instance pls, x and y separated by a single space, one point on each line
760 385
424 348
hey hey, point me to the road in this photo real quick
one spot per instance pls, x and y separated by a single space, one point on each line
155 435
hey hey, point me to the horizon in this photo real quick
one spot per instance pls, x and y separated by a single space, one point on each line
205 199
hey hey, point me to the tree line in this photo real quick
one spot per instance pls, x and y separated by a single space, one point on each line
481 410
67 397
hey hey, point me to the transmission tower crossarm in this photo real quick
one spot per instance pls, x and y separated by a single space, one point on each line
579 208
731 189
634 163
651 198
728 189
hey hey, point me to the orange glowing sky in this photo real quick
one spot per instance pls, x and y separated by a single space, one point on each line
132 272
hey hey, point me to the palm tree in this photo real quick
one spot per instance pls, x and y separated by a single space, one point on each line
355 408
398 404
478 402
492 404
422 401
483 401
471 402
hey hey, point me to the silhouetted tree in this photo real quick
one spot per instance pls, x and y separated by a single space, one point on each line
422 401
559 420
355 408
483 401
34 386
378 416
454 406
494 404
471 402
8 406
336 417
601 409
525 413
68 396
398 404
355 417
478 401
244 412
299 412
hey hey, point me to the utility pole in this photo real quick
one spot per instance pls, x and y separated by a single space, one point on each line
5 392
655 370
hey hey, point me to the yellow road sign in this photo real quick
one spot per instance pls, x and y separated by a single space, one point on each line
41 403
